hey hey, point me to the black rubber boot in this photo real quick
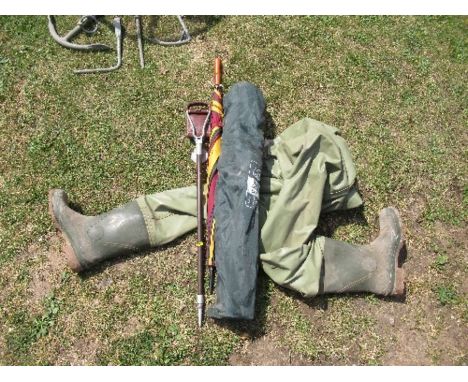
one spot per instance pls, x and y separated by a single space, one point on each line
92 239
370 268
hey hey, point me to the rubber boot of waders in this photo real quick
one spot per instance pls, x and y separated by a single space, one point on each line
92 239
369 268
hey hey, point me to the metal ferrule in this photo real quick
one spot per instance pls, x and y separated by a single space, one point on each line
200 299
200 306
199 146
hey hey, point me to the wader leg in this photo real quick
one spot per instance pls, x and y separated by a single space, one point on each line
329 266
371 268
144 223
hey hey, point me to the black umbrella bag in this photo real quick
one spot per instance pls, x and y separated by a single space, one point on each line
236 203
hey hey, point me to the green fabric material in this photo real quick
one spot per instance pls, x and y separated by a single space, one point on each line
307 170
169 214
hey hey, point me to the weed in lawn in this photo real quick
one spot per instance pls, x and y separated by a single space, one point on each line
43 324
441 261
447 295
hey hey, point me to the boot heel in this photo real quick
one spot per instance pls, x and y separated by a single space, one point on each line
400 286
72 261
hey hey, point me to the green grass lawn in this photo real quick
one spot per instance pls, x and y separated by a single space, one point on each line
394 86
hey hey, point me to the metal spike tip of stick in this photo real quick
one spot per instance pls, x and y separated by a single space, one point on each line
199 155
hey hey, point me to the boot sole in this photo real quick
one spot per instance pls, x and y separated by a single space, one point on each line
399 285
67 249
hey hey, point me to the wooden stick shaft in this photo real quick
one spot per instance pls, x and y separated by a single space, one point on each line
200 236
218 71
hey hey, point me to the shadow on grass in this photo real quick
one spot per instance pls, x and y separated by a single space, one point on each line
252 328
320 302
270 130
329 222
196 25
101 266
255 328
